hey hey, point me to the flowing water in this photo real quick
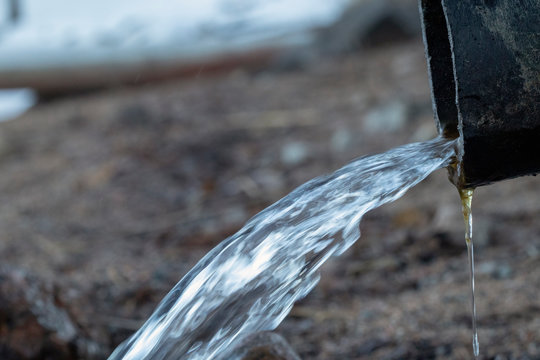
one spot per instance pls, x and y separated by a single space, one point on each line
250 281
466 201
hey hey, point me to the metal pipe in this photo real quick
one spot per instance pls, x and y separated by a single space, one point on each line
484 66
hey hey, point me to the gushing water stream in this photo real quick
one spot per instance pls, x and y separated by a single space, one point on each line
250 281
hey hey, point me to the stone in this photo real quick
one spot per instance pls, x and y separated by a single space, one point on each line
293 153
341 140
371 23
389 117
263 346
34 323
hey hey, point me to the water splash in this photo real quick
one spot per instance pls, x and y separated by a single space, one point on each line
250 281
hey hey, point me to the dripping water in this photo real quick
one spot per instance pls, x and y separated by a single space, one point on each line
466 201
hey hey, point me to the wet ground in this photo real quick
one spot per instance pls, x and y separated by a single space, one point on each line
108 199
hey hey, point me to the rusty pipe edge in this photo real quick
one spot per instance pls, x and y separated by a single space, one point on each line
483 61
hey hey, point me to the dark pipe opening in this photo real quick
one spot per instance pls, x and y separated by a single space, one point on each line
440 66
483 64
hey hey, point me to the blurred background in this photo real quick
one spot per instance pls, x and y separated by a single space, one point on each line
137 135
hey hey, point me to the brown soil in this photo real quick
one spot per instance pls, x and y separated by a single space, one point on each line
113 197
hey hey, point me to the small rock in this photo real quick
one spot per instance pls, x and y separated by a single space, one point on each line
34 324
503 271
293 153
262 346
341 139
533 251
370 23
495 269
390 117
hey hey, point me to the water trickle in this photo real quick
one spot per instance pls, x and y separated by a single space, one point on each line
466 201
250 281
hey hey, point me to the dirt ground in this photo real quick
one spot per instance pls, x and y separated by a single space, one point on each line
108 199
